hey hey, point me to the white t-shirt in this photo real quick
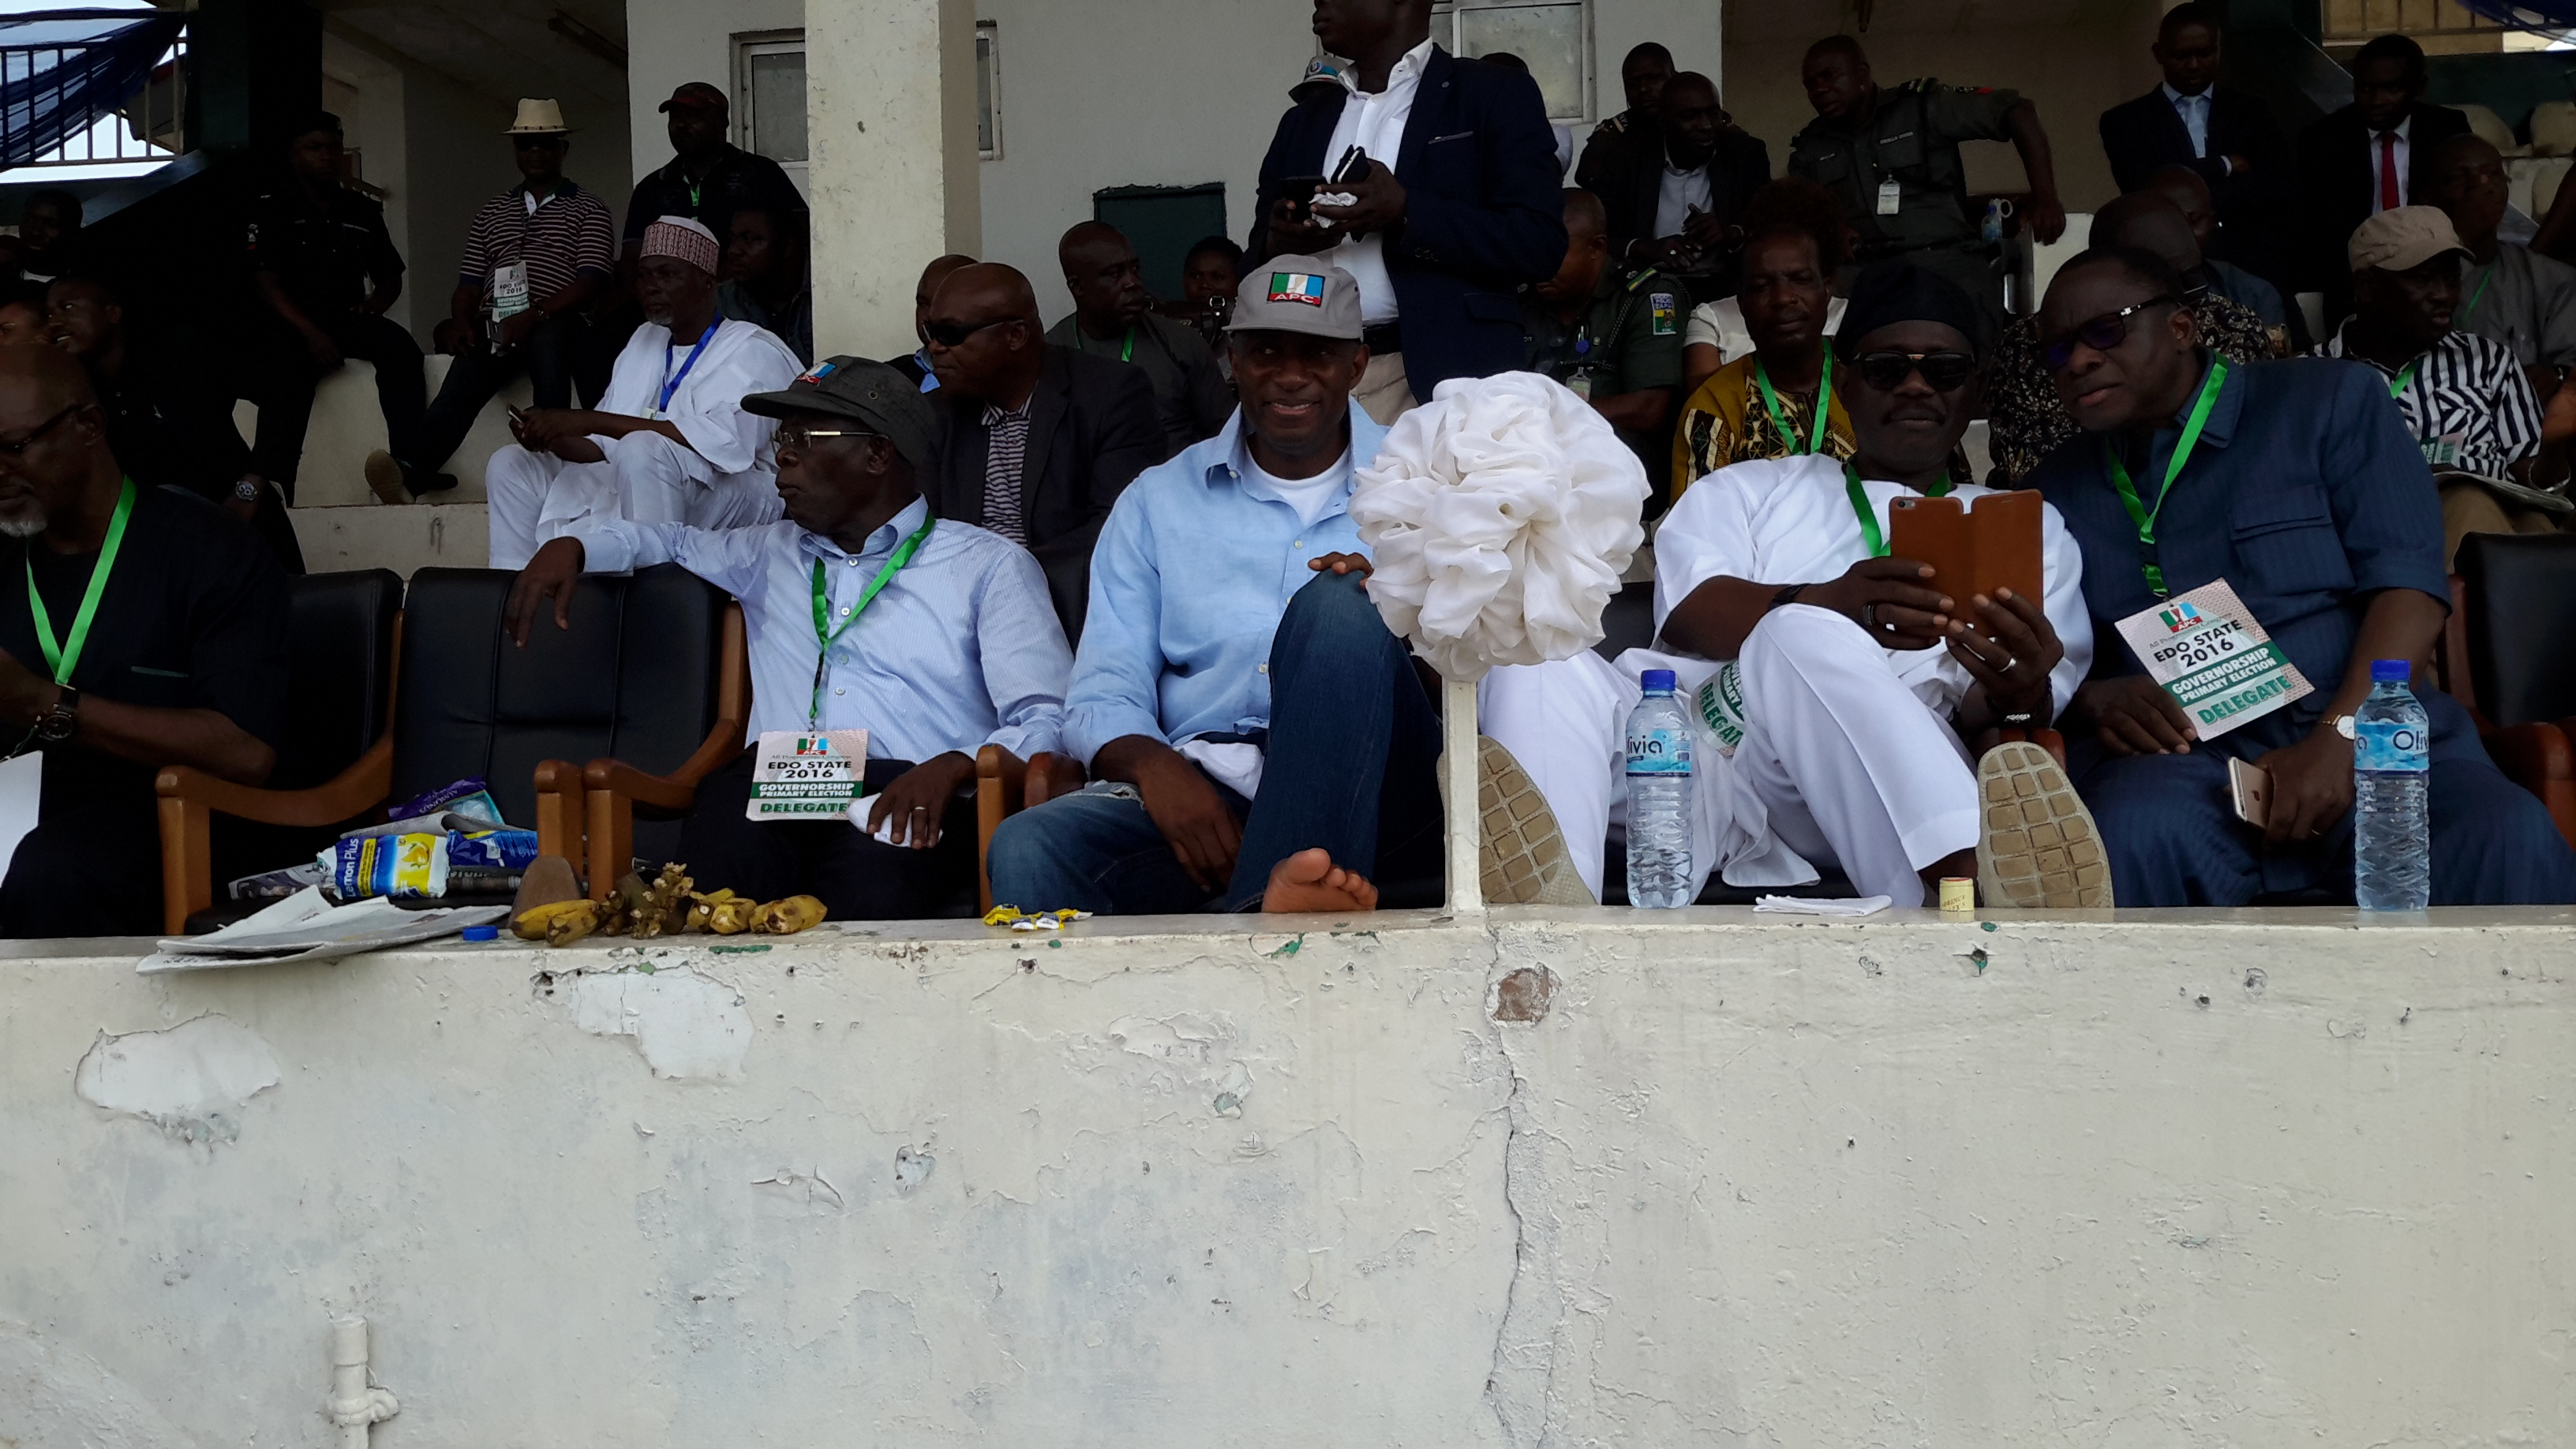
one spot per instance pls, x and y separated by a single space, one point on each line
1375 124
1720 324
1790 520
1309 496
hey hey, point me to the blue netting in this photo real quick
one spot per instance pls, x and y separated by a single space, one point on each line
60 70
2528 14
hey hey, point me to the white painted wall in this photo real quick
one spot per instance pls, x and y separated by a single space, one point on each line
672 42
2199 1179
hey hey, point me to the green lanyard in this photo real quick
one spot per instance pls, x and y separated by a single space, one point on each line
827 636
2404 379
2139 513
1128 352
2462 321
1868 518
1780 422
64 658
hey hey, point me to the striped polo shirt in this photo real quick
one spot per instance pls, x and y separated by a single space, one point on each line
2467 395
567 234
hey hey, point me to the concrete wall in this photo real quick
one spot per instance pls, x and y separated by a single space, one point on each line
1703 1179
670 42
2073 61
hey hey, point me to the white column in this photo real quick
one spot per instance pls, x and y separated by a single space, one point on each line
890 108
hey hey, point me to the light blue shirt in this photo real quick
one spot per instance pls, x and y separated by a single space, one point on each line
2194 111
961 649
1193 570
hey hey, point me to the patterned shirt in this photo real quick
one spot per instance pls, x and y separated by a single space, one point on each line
1006 451
2030 421
1728 422
568 234
2467 404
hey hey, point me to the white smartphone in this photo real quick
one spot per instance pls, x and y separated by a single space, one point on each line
2251 784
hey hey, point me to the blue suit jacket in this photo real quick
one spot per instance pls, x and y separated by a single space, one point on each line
1484 211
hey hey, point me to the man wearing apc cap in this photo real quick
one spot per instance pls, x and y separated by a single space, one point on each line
1259 739
2298 486
670 441
942 641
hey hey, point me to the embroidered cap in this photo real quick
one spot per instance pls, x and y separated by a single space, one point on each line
685 239
1298 294
864 391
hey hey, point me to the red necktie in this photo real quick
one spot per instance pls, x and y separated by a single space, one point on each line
2389 200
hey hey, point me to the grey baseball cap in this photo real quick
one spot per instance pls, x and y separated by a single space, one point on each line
1298 294
864 391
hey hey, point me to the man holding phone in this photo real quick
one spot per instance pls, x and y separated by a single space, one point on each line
1838 685
1433 181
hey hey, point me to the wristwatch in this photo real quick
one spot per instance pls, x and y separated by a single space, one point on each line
2343 724
246 490
56 725
1787 596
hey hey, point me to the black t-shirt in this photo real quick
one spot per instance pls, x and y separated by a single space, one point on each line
739 178
167 426
323 256
194 617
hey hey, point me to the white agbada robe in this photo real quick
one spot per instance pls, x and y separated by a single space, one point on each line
726 478
1848 756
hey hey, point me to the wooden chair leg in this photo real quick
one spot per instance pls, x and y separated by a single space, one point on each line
612 839
187 862
1000 779
562 810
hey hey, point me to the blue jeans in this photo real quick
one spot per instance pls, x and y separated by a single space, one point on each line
1350 766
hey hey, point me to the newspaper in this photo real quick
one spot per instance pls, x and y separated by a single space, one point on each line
307 927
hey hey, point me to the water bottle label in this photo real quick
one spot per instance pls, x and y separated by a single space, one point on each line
1659 752
2383 745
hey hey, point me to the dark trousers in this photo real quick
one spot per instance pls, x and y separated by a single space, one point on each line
1350 766
857 877
283 376
476 375
87 871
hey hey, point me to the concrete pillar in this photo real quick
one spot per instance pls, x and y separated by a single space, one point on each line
890 102
256 70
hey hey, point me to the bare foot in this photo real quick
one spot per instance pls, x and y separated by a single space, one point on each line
1309 883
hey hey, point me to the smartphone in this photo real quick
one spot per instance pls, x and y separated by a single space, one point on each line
1300 191
2252 786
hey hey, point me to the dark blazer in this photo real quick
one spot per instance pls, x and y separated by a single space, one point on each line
2145 135
1484 212
1092 429
1630 180
2337 177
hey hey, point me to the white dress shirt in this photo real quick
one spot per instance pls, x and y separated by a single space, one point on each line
961 649
2405 148
2194 111
1375 123
1680 192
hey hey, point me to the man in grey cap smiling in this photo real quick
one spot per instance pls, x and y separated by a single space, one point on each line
940 641
1259 739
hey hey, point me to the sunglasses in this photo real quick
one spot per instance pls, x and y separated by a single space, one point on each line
796 438
17 447
954 334
2101 334
1887 371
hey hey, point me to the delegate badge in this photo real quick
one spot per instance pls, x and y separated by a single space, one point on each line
2206 650
808 774
1721 708
509 289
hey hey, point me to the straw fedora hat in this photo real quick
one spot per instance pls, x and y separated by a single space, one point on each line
539 118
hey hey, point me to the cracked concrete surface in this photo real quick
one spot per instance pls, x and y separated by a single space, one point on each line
1693 1180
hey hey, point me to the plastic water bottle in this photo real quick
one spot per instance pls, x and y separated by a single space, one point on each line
1659 797
2392 841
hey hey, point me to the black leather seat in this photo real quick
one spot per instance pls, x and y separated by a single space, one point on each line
1628 620
635 677
343 628
2521 625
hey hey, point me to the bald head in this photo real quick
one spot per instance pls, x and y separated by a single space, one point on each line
63 480
1584 215
1105 278
2146 221
983 334
981 291
2468 183
928 287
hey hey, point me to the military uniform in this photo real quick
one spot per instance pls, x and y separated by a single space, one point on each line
1628 338
1900 181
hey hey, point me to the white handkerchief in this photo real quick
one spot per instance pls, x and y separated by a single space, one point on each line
1794 906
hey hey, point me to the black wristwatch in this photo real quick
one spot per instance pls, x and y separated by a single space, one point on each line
57 724
1788 595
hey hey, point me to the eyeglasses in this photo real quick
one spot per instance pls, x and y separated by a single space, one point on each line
796 438
954 334
18 447
1943 371
2101 334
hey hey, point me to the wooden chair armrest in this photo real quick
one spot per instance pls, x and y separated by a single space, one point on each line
2542 759
1051 775
350 794
616 777
562 820
1000 777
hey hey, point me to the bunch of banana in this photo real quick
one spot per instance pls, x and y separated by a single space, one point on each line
666 907
787 917
561 923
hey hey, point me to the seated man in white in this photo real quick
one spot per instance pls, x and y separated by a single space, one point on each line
1857 679
671 441
942 641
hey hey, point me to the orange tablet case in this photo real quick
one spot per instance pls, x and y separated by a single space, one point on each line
1973 550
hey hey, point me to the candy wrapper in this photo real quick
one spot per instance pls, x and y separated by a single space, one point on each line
471 799
1019 920
400 866
492 849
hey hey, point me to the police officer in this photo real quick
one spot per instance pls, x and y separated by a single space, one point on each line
1615 340
324 264
1891 157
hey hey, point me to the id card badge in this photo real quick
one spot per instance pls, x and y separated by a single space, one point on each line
807 774
1580 384
2208 652
509 289
2444 451
1891 197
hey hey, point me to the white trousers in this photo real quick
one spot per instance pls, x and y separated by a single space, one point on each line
646 478
1841 762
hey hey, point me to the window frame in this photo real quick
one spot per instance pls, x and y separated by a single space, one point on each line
748 44
988 81
1444 33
